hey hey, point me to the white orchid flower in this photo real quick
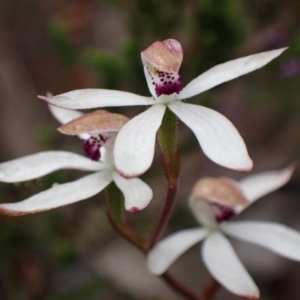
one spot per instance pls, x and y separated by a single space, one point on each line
214 201
98 130
135 143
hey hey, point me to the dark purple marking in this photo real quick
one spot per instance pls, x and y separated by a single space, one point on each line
168 88
92 146
166 83
224 213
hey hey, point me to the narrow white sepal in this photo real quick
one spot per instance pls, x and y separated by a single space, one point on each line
135 143
261 184
136 192
224 265
64 116
169 249
217 136
36 165
228 71
275 237
60 195
91 98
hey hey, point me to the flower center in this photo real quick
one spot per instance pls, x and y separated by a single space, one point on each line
166 83
92 146
222 213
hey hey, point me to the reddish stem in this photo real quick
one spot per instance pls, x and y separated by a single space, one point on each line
129 235
179 287
165 216
210 290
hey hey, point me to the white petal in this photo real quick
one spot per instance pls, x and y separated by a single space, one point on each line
135 143
169 249
258 185
228 71
64 116
42 163
91 98
223 263
60 195
136 192
219 139
275 237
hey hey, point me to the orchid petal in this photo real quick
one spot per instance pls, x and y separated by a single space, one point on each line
135 143
228 71
223 263
275 237
65 116
42 163
91 98
136 192
258 185
217 136
169 249
60 195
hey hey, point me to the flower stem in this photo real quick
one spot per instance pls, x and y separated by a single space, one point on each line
210 290
127 232
114 199
116 216
167 137
165 216
179 287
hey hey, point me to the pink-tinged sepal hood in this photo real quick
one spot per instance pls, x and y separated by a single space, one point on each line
215 200
162 61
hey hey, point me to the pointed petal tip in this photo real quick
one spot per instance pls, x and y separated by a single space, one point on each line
45 98
14 213
247 167
48 101
250 297
292 167
126 175
283 49
244 167
134 210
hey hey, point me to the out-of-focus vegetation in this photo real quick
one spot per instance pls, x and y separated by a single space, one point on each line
56 46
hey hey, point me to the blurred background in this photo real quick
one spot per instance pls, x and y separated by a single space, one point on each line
56 46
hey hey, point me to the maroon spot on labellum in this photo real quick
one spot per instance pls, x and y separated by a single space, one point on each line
165 83
92 146
224 214
134 210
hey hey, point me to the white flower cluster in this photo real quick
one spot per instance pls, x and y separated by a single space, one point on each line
120 150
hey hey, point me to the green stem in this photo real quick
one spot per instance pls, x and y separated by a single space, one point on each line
116 216
168 142
167 137
115 203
